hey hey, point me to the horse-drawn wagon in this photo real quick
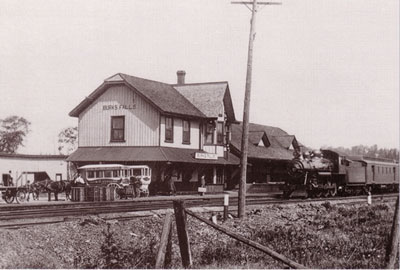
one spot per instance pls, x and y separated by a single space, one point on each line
125 180
11 193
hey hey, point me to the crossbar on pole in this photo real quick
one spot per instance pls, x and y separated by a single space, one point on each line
258 3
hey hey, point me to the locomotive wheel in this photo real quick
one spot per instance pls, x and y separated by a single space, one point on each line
328 189
286 193
333 191
21 195
318 193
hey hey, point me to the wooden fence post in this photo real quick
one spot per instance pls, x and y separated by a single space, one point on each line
226 206
394 239
183 236
165 237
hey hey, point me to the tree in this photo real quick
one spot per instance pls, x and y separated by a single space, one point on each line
13 130
368 151
68 140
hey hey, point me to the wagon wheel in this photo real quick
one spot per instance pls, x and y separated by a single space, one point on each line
21 196
8 196
327 189
116 187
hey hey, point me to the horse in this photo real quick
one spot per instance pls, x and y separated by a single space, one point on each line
55 187
67 189
34 189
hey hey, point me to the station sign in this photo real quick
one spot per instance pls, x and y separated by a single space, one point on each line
119 107
200 155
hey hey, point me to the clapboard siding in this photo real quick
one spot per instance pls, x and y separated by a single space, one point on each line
178 134
141 119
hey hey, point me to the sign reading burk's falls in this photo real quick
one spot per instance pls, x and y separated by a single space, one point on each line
119 107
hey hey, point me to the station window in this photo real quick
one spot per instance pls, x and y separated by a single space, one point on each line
210 133
169 129
220 132
220 175
117 128
186 131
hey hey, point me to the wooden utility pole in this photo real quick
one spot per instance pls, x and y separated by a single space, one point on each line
246 109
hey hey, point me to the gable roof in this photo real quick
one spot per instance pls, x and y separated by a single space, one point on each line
287 141
209 97
277 148
163 96
255 137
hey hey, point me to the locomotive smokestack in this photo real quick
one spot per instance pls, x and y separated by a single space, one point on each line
181 76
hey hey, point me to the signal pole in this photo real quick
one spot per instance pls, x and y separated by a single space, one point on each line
246 109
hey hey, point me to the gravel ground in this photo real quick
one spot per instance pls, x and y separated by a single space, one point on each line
325 230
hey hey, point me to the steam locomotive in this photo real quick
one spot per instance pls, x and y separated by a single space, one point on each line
327 173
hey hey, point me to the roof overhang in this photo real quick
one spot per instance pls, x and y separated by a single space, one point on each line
144 154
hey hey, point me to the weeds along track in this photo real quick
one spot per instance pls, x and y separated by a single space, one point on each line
15 216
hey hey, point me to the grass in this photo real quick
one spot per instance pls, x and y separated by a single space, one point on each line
319 236
347 237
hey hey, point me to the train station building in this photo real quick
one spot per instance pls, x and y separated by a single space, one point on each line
24 167
182 129
270 149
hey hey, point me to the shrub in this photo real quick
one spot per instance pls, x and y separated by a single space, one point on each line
115 256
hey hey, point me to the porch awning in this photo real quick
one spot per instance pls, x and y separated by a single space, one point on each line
145 154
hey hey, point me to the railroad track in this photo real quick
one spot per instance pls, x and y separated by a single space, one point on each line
16 216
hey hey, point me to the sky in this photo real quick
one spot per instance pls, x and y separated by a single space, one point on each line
324 71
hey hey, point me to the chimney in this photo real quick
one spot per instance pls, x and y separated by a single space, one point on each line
181 76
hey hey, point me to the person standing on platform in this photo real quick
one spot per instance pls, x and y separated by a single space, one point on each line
79 181
202 185
29 189
9 181
170 184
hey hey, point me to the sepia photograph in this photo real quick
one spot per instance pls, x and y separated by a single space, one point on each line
199 134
